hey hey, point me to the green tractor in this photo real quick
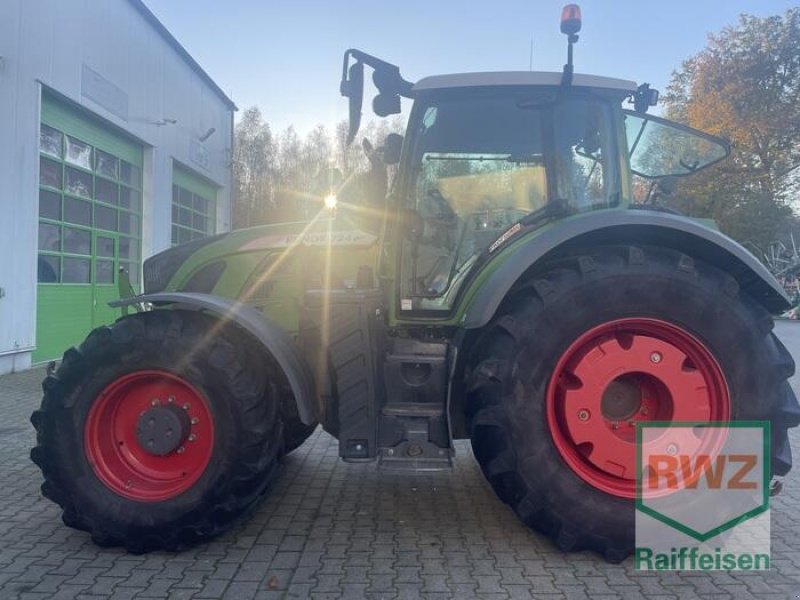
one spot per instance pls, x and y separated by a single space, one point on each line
506 290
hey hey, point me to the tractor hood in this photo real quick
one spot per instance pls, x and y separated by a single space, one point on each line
169 270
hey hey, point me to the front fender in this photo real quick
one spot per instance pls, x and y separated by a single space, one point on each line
272 337
626 227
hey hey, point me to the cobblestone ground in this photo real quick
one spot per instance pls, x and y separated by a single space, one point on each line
331 529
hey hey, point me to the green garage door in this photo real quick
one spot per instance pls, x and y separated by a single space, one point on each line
194 206
90 207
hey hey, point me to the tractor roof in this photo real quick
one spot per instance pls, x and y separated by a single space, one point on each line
458 80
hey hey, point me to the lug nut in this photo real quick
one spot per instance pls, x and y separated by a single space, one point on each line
192 437
655 357
171 399
644 411
154 402
195 420
583 415
187 406
181 450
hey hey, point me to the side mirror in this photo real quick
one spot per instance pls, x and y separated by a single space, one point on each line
392 147
384 105
644 98
387 102
352 87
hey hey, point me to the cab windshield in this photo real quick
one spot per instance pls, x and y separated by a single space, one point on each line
482 163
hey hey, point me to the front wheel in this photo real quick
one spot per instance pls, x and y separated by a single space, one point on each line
593 344
159 431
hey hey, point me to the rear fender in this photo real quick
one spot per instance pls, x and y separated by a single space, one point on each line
647 227
272 337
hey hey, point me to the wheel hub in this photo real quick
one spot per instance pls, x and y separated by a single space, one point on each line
621 400
619 375
162 429
149 435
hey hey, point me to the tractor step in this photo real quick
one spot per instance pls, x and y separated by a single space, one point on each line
397 462
414 432
416 452
413 409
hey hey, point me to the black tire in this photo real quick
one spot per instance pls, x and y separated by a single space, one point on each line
225 366
514 358
295 432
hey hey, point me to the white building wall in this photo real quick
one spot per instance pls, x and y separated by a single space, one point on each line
142 81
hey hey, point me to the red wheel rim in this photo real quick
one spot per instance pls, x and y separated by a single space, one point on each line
118 457
621 373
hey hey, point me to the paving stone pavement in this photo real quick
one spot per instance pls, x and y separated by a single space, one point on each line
335 530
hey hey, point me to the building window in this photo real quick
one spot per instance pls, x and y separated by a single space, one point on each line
194 212
90 206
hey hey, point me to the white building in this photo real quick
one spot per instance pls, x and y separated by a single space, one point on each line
114 144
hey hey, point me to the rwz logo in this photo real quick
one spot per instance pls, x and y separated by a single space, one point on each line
679 471
684 468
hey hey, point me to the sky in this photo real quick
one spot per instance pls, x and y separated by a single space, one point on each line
285 56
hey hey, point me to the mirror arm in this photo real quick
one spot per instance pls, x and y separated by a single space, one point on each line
386 77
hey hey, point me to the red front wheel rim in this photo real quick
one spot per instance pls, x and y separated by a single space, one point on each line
120 447
620 374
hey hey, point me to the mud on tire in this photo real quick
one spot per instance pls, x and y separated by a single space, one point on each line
224 366
513 361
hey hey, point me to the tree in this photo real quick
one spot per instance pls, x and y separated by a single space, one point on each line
253 169
300 164
284 178
351 159
745 86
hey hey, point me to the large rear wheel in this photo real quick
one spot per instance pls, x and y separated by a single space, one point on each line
592 344
159 431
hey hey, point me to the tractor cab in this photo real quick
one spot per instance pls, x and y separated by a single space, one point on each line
494 153
490 156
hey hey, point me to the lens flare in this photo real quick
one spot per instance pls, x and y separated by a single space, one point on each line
330 201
